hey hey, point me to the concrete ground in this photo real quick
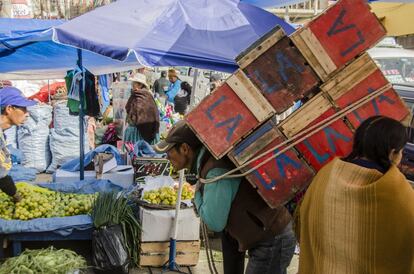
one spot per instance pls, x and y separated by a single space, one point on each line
202 266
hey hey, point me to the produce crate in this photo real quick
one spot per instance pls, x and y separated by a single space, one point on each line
229 113
358 80
281 178
338 35
319 148
278 69
156 253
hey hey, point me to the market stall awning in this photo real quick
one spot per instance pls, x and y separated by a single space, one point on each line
28 52
397 18
204 34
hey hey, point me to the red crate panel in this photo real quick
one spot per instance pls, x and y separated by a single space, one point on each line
281 178
373 82
221 120
347 29
282 75
332 141
388 104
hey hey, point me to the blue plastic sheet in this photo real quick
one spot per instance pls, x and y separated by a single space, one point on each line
74 165
15 154
20 173
60 225
84 187
143 149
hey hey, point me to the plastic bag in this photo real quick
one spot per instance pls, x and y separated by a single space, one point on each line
33 138
109 251
64 137
11 136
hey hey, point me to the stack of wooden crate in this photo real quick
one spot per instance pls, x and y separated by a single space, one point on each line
323 64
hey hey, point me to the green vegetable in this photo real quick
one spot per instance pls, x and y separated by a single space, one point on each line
114 209
50 260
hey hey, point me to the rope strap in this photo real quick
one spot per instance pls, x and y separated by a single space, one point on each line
298 138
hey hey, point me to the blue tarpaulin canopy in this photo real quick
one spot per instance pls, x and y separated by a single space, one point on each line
284 3
198 33
28 52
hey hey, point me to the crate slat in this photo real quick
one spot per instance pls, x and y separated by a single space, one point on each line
333 141
250 96
338 35
221 120
281 178
351 76
304 116
259 47
157 253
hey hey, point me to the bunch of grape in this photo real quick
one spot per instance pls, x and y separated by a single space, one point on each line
6 206
38 202
168 195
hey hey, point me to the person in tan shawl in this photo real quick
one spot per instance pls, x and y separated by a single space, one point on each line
357 216
143 117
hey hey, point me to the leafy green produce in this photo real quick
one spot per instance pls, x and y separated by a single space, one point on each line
113 209
47 261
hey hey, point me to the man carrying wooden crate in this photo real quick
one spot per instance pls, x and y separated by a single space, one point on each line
232 206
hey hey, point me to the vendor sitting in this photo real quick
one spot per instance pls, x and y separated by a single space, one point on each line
143 118
13 113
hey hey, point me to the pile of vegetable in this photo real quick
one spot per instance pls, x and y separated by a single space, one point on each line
113 209
50 260
39 202
168 195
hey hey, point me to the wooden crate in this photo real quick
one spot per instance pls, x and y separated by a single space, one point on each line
387 104
358 80
322 146
229 113
156 253
281 178
278 69
338 35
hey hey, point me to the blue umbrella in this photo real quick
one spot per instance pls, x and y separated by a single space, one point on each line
28 52
199 33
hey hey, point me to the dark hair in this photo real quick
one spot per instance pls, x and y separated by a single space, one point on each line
3 108
186 86
376 137
163 73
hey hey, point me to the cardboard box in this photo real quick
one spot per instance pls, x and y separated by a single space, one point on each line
121 175
157 225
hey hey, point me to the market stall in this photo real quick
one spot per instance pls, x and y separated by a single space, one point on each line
244 30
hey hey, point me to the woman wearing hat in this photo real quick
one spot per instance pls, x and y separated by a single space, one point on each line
142 113
175 86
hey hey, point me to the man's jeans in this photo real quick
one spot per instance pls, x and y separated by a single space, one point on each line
267 257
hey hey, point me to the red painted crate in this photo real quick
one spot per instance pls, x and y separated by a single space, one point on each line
278 69
358 80
229 113
319 148
338 35
281 178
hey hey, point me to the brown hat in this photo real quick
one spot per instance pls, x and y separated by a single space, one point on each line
178 134
172 73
